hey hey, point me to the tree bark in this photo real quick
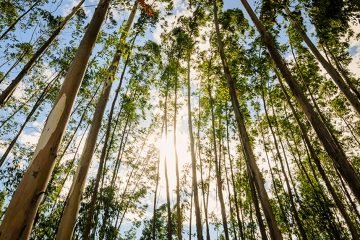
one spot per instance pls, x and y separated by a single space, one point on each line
23 206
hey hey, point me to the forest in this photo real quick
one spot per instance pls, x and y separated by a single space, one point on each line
179 119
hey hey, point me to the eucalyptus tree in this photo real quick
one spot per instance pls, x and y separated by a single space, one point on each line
27 197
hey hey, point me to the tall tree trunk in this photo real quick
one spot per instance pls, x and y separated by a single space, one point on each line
236 200
108 143
6 94
68 219
153 227
203 190
23 206
217 167
178 206
231 213
168 207
193 158
345 74
254 197
338 202
249 155
191 207
330 69
277 197
19 18
333 149
291 197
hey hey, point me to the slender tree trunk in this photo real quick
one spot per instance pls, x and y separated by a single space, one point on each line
168 207
193 158
6 94
343 72
257 207
249 155
236 201
190 221
203 190
156 189
178 206
217 167
291 197
333 149
23 206
318 164
277 197
231 213
38 102
68 220
19 18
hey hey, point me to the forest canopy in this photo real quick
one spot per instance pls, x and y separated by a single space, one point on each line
179 119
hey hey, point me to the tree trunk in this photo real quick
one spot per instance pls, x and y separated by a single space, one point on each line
168 207
6 94
217 167
193 158
334 150
68 219
178 207
23 206
249 155
236 201
257 207
156 189
38 102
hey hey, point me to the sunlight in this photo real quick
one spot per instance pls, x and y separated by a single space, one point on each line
166 147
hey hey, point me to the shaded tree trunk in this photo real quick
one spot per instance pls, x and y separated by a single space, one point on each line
178 206
291 197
